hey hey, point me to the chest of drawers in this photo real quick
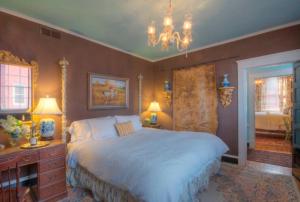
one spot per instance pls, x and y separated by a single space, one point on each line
51 168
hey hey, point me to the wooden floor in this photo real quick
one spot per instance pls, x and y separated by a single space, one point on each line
275 158
273 144
271 150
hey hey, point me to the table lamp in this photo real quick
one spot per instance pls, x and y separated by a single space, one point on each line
154 108
47 106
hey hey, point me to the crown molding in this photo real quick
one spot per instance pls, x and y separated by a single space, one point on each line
233 39
35 20
38 21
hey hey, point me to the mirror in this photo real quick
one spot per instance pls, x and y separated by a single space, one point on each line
18 81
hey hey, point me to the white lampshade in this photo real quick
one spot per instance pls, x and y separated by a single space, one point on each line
47 106
154 107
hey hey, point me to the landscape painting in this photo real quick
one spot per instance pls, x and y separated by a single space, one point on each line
107 92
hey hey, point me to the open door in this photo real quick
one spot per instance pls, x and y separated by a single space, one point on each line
296 121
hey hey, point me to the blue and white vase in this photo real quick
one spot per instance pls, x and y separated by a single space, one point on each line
225 82
167 86
47 128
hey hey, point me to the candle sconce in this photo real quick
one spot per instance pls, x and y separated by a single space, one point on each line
167 91
226 92
226 95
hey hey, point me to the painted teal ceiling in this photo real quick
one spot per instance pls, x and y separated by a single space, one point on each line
122 24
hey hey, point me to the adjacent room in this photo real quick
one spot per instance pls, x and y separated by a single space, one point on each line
150 101
273 119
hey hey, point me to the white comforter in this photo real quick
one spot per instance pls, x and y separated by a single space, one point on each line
154 165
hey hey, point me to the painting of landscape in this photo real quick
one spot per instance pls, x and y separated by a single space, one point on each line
107 92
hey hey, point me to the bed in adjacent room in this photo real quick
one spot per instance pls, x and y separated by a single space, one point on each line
274 123
144 165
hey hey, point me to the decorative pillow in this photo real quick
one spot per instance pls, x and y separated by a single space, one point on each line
103 128
124 128
79 130
135 119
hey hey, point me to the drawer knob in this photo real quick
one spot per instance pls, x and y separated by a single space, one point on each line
26 158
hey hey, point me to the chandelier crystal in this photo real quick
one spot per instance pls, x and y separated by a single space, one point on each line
168 36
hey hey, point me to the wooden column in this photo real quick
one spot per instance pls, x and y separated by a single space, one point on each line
140 78
64 64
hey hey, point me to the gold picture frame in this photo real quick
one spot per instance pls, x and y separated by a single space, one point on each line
107 92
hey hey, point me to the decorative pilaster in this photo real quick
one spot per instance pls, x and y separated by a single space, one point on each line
63 64
140 78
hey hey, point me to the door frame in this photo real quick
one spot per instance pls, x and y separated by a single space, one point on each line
243 73
260 73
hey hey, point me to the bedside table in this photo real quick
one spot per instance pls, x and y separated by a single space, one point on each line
158 126
50 168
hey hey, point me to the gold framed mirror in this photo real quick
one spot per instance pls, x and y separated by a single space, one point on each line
18 82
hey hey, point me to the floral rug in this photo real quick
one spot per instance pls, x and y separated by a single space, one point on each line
232 184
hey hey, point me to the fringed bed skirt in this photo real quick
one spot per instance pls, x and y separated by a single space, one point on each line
103 191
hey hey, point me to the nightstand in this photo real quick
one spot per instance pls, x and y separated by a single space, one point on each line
50 168
158 126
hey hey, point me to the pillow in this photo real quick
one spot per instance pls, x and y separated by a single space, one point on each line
135 119
124 128
79 130
103 128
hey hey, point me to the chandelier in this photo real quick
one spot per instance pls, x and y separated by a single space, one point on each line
168 36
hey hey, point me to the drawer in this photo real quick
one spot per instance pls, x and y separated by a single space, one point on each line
52 176
53 152
52 190
48 165
55 198
6 158
29 158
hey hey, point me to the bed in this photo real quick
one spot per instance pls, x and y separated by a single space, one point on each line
147 165
271 122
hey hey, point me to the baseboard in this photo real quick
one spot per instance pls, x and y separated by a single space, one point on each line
230 159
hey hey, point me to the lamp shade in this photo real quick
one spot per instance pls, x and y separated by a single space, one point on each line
47 106
154 107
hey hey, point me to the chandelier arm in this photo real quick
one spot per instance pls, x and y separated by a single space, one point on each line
176 37
159 39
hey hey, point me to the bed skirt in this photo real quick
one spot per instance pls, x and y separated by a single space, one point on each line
103 191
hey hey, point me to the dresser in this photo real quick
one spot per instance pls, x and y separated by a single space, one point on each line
50 168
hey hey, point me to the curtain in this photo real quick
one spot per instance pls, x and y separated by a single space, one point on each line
195 99
274 94
285 94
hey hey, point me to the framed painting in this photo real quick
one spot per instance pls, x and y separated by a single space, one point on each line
107 92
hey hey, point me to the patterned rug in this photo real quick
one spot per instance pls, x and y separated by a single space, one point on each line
280 159
232 184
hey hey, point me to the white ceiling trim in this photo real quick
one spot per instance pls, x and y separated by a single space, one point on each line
26 17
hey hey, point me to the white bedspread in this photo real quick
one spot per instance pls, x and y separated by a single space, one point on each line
154 165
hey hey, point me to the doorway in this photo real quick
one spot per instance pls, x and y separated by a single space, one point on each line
271 104
244 68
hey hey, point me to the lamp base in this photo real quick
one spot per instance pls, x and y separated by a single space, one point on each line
153 118
47 129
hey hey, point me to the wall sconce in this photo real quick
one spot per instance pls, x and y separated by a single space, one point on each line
167 91
226 92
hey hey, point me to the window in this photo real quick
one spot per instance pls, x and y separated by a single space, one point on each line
19 95
274 94
271 96
15 88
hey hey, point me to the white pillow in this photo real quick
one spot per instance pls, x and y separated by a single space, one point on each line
103 128
135 119
80 130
